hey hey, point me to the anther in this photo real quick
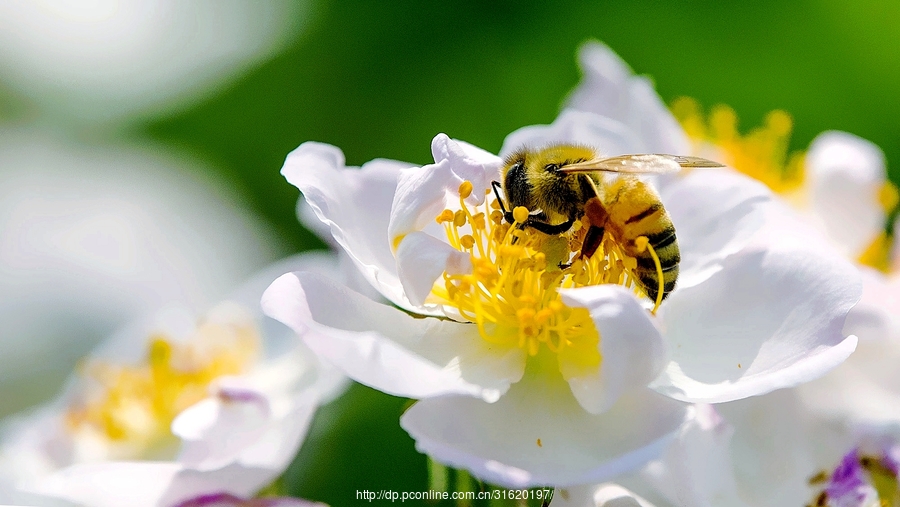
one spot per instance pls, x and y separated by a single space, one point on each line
520 214
445 216
465 189
478 221
459 218
467 241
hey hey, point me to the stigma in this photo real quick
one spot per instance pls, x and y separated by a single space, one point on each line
512 291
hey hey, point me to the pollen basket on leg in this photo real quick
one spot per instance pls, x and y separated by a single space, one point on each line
511 293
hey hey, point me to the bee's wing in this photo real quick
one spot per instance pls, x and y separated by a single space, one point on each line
639 164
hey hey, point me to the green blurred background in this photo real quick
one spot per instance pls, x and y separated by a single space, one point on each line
380 79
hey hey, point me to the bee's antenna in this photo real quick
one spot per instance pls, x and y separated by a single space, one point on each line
506 213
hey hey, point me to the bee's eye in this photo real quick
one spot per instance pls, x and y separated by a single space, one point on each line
551 168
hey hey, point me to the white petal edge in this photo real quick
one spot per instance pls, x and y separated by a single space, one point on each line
421 259
609 136
610 88
355 205
845 174
240 425
633 351
423 192
715 213
598 495
538 435
696 469
388 349
770 319
148 484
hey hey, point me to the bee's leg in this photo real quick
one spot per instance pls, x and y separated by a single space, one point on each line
597 215
551 229
592 241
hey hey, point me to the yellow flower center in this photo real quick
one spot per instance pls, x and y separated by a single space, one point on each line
130 408
762 154
511 293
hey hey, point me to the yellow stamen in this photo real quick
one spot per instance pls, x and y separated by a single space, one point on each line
888 196
762 154
512 295
465 189
520 214
878 254
132 406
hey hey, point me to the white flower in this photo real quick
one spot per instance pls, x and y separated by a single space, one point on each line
772 451
171 411
93 237
552 387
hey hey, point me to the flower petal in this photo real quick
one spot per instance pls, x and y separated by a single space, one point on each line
715 213
697 467
877 315
227 500
421 259
845 175
387 349
423 192
576 127
633 351
864 391
112 484
611 89
355 204
775 448
148 484
538 434
239 425
770 319
598 495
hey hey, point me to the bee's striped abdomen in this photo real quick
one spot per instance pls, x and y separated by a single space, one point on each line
651 221
665 245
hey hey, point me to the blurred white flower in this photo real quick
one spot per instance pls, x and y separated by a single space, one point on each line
172 411
92 236
572 368
107 60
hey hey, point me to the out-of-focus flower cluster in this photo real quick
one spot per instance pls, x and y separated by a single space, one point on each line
718 336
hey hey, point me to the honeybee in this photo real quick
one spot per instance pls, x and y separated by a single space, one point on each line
563 183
